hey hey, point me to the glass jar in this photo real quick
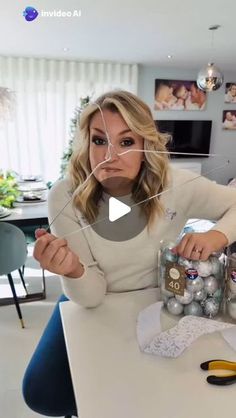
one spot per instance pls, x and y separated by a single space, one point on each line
230 291
191 287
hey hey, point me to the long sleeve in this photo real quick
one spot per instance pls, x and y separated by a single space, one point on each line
90 288
204 199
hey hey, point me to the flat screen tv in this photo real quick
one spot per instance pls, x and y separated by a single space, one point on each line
190 136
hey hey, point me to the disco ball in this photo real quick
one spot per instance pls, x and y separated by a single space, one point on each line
210 78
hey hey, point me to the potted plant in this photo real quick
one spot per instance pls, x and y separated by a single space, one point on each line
8 189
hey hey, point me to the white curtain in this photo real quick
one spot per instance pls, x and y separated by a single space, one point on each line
47 92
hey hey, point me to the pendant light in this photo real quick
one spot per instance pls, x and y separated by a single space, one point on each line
210 78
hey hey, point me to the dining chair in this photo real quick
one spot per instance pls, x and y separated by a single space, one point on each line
13 253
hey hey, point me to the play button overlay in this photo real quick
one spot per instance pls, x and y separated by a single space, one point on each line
120 217
117 209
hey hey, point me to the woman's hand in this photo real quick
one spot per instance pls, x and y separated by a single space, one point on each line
54 255
199 246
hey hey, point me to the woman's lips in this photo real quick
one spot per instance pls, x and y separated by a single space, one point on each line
112 169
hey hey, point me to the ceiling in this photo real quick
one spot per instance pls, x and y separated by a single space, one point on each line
132 31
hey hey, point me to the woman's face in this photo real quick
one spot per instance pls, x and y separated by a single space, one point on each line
117 175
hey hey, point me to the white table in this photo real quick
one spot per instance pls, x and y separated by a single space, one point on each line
113 379
26 214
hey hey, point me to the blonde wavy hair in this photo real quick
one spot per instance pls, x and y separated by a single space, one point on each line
153 174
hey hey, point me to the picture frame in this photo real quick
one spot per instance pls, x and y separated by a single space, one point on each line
230 92
229 119
178 95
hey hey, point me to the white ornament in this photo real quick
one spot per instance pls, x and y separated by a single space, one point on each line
216 265
193 309
204 268
185 263
194 285
186 298
174 307
210 285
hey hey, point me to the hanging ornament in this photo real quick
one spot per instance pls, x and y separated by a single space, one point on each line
210 78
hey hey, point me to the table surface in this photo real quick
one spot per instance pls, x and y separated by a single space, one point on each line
27 211
113 378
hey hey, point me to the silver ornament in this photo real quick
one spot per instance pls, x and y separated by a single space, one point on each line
194 285
210 285
185 263
232 260
200 295
218 295
204 268
215 266
232 282
211 307
165 299
231 306
193 309
174 307
166 292
167 254
186 298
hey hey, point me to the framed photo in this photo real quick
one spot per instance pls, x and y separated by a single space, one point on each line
178 95
229 119
230 92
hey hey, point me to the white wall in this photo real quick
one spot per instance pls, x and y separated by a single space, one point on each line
222 142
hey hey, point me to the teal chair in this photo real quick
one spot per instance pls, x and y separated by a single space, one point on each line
13 253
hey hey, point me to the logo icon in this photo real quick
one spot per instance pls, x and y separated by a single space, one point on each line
30 13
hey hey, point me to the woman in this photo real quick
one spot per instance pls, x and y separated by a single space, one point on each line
119 144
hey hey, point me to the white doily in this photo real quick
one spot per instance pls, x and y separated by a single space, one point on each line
173 342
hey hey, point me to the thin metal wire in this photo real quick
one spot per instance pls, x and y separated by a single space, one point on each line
149 198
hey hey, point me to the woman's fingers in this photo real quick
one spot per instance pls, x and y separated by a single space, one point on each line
39 232
200 245
41 244
186 246
52 249
54 254
60 256
195 246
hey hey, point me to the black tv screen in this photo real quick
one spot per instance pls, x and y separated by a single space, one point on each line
190 136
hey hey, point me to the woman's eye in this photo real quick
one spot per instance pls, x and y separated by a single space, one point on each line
127 142
99 141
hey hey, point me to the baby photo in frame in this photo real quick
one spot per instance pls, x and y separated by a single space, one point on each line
178 95
229 119
230 92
